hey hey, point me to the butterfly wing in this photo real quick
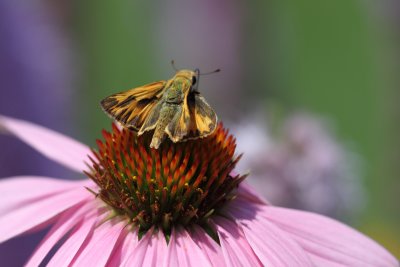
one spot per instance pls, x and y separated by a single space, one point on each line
179 126
131 108
150 122
194 119
203 120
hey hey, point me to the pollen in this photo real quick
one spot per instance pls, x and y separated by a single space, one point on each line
177 184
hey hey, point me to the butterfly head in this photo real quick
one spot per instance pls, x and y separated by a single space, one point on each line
190 75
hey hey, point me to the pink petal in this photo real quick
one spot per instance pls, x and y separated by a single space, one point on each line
184 252
209 246
101 244
53 145
318 261
235 247
22 190
25 217
65 223
67 252
273 246
157 250
138 255
124 248
154 252
329 239
247 192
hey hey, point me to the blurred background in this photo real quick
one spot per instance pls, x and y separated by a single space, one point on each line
309 88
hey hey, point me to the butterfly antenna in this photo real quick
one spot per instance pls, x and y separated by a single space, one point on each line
210 72
173 65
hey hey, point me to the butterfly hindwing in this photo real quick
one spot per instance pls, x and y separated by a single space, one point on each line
132 107
151 119
203 119
194 119
178 127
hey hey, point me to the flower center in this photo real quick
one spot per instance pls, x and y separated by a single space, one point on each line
177 184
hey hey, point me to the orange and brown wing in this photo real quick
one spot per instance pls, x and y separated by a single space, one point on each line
178 128
203 120
130 108
195 119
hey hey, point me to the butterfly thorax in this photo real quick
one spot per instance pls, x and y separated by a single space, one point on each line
176 92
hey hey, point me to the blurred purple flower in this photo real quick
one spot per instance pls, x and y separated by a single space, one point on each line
35 83
305 167
34 74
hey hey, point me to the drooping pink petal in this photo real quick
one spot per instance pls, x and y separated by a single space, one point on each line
209 246
235 247
76 239
67 221
23 190
329 239
25 217
273 246
184 252
124 248
137 256
247 192
319 261
152 254
53 145
99 247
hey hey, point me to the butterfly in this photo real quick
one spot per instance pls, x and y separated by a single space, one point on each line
172 108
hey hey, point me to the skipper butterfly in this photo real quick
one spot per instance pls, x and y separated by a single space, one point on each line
172 108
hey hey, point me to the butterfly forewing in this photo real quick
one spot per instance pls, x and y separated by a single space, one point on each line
131 108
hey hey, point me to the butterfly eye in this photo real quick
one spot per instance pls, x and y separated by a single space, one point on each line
194 80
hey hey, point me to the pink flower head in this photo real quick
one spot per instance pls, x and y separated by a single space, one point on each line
92 224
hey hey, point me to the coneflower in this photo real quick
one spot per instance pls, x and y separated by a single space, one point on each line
176 185
180 205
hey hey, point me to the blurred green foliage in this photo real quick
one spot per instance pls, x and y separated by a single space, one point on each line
332 62
116 54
